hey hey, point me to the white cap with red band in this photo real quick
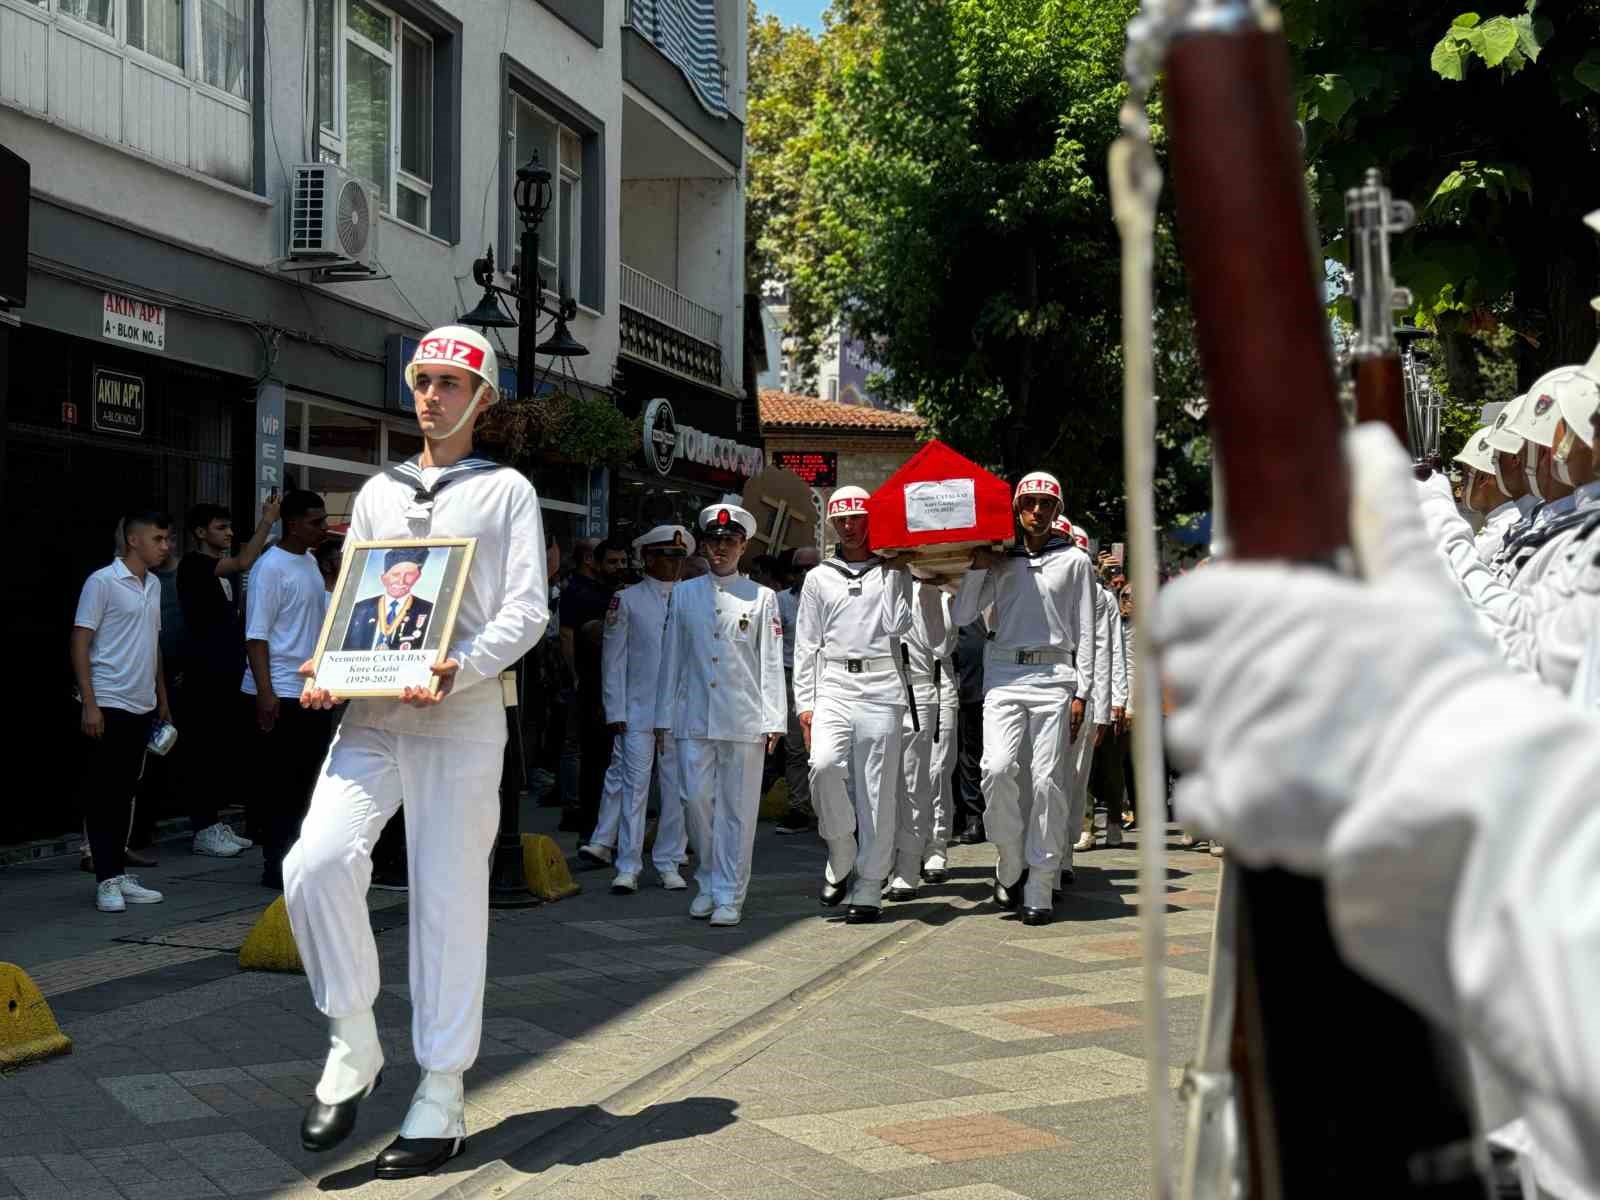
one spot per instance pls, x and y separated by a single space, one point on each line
457 346
848 501
1038 483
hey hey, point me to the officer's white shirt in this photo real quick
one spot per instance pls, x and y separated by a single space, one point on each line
722 662
1501 518
1040 601
630 655
857 610
124 612
932 639
504 601
788 608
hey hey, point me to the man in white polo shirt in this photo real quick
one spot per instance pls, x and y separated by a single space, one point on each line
116 657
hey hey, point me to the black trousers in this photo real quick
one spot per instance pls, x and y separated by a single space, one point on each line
208 738
285 764
112 765
969 779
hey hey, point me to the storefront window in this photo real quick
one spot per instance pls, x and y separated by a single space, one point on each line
337 488
640 503
334 434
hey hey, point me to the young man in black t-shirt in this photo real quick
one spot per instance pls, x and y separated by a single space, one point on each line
210 593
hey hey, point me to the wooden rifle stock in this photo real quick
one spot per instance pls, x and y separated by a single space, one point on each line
1381 393
1344 1090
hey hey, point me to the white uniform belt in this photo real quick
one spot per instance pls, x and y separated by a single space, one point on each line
1025 658
859 666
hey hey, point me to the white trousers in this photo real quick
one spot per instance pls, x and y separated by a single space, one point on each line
1079 761
927 791
1027 831
622 815
856 784
722 798
451 790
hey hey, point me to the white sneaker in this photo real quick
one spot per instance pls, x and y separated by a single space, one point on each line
214 842
702 906
135 892
592 852
624 884
672 881
243 843
725 915
108 896
1113 835
1085 841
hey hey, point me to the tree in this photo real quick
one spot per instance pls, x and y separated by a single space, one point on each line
1491 127
960 222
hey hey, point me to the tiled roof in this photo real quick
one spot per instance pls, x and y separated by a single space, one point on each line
786 410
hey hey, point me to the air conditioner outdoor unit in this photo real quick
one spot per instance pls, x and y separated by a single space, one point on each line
333 217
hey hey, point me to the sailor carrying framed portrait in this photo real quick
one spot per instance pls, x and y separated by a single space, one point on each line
391 615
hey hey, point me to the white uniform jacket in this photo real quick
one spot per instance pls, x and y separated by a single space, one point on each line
1498 523
630 654
932 640
851 611
1041 601
788 606
504 602
1105 615
1120 680
722 662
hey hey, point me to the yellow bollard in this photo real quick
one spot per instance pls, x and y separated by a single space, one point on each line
28 1029
270 946
545 868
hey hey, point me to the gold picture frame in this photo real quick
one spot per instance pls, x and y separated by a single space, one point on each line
387 627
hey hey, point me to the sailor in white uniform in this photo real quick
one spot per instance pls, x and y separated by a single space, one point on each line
721 695
1499 495
1038 673
630 659
441 748
1080 819
850 698
922 829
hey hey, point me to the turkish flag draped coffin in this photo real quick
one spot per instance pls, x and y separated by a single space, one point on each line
937 508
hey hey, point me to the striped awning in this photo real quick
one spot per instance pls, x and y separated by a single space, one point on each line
686 32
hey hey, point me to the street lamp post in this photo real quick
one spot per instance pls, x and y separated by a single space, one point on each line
508 887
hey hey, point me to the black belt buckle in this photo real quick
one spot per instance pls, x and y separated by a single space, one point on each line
853 665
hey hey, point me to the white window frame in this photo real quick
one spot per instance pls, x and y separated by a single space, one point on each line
331 137
551 232
191 70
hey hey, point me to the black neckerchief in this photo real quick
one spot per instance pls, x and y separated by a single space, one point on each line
409 473
1056 542
1534 538
844 568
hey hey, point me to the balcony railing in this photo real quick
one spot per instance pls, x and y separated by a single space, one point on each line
666 327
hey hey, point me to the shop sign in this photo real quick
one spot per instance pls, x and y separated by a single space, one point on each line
118 403
271 408
819 468
124 319
666 440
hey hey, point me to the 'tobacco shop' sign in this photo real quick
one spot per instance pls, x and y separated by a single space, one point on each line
133 322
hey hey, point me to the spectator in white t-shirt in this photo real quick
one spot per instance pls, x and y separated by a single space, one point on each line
285 600
116 656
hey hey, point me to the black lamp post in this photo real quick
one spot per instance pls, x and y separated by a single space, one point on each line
508 887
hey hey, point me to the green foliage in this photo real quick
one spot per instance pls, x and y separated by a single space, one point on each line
582 429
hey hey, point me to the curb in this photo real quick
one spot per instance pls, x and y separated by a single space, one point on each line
499 1180
62 845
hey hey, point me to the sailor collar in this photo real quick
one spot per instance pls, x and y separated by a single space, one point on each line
409 473
1054 546
853 570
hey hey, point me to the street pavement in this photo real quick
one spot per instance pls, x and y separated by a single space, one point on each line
629 1053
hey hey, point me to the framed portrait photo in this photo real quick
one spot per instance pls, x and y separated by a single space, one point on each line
391 616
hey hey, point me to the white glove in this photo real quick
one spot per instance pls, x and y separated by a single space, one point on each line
1285 680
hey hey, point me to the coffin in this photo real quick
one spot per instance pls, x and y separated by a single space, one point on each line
937 508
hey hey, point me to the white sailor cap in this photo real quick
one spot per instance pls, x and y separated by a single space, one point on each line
1577 398
672 540
1038 483
718 520
1536 420
848 501
1479 452
1501 438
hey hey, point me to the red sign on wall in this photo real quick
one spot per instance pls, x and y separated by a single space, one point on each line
819 468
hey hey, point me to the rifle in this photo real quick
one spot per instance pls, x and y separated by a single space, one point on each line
1318 1120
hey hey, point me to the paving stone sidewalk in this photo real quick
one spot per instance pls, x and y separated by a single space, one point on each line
188 1075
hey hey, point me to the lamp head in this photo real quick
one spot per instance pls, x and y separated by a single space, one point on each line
533 193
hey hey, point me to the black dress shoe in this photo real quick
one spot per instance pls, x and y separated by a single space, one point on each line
1010 897
972 835
905 893
861 914
406 1158
1036 916
326 1125
833 894
939 875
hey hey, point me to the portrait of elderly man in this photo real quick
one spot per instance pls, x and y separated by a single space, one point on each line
396 620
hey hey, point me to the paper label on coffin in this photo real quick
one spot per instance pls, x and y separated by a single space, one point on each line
941 505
